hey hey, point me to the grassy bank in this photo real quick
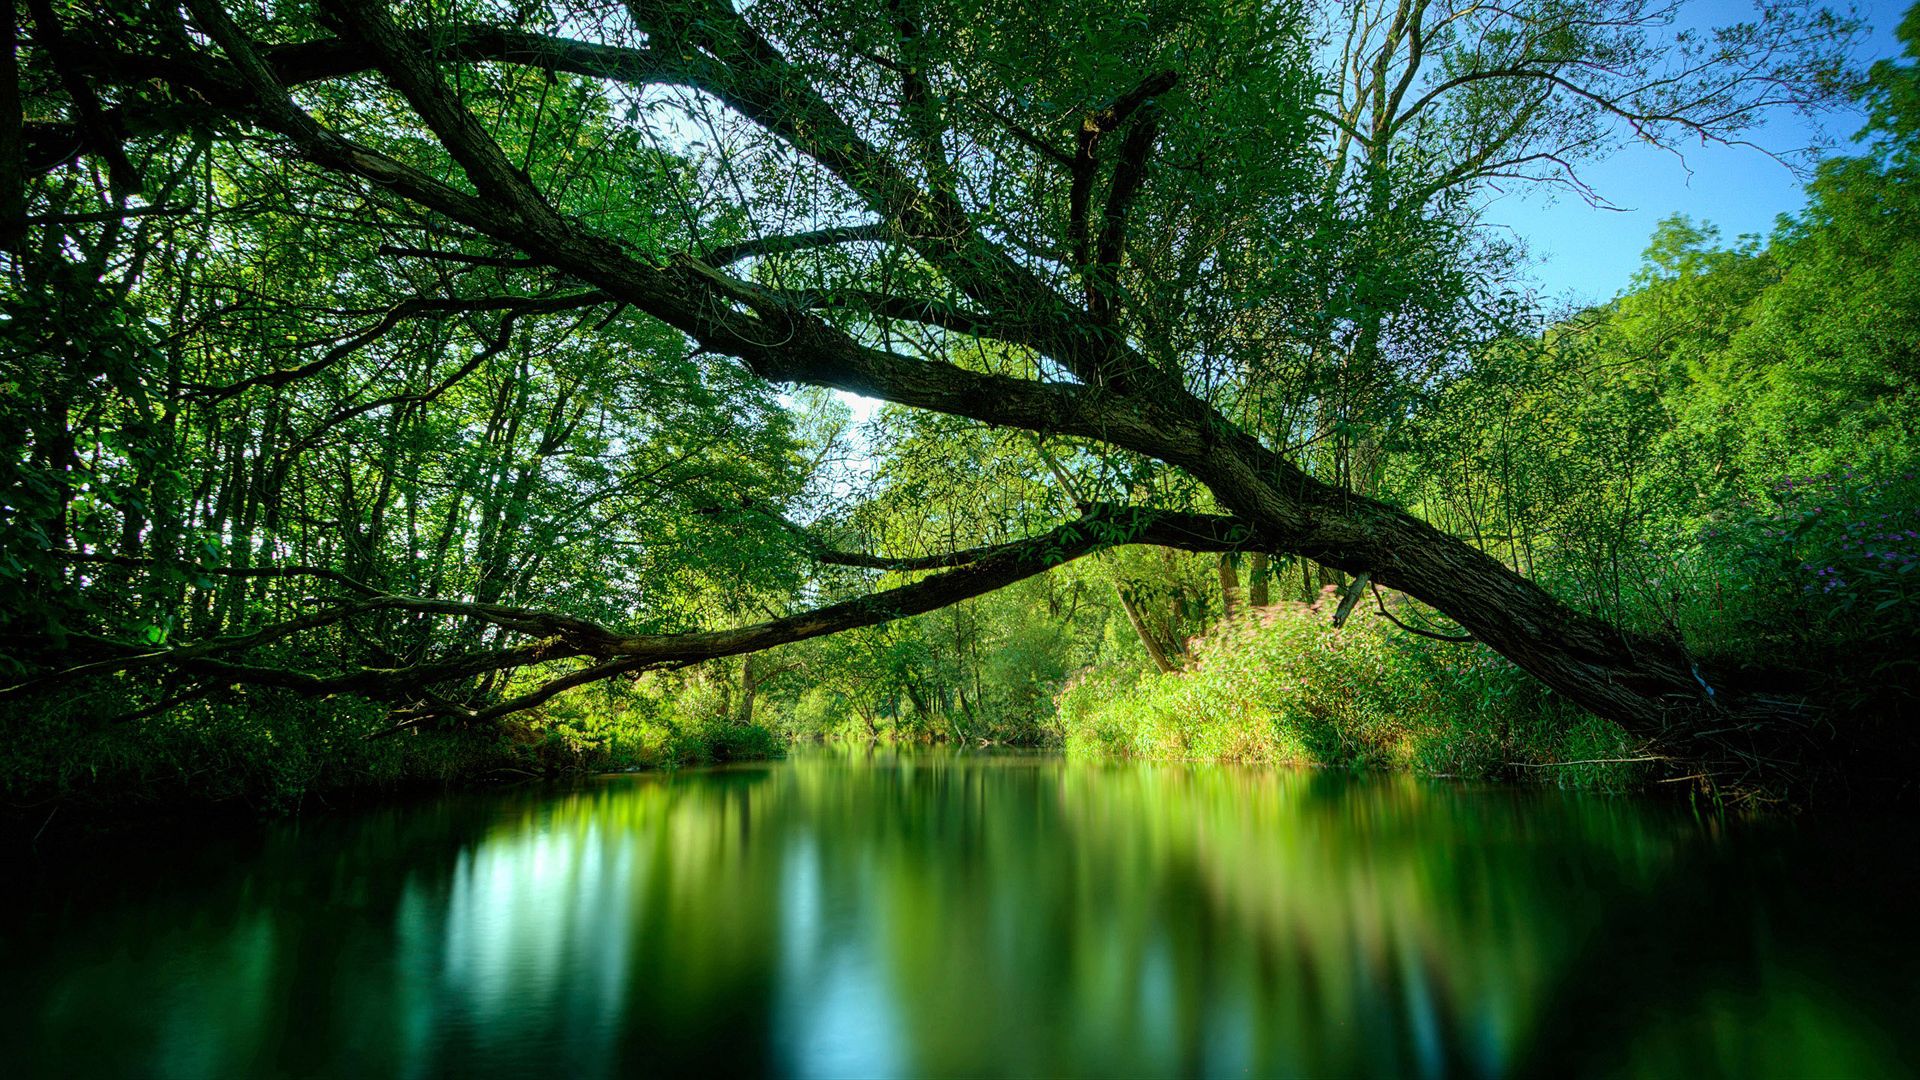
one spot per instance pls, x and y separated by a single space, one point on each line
1282 686
83 761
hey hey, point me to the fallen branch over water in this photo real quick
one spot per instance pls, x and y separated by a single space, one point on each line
423 690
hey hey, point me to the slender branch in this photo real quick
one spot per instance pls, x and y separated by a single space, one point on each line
552 688
926 311
398 313
1593 761
726 254
1456 638
562 636
505 262
490 349
93 217
1028 139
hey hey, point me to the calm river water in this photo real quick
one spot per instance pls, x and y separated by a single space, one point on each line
941 914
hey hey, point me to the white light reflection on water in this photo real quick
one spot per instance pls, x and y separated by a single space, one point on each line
832 1014
536 947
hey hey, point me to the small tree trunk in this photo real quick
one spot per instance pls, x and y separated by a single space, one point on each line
1231 596
748 685
1153 647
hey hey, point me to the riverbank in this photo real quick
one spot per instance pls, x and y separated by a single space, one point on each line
268 754
1278 685
1283 686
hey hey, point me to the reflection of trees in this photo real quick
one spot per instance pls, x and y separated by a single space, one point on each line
1195 920
1411 921
195 960
1776 963
857 911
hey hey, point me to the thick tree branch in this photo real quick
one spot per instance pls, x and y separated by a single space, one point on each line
560 636
1190 532
413 74
1129 175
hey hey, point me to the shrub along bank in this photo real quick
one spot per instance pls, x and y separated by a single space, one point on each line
1283 686
272 752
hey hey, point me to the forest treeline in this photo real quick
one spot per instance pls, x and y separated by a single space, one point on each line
1725 452
426 392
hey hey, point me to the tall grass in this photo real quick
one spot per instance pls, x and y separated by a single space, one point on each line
1282 685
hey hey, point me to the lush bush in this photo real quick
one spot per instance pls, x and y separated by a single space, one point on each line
1834 559
272 750
660 720
1284 686
267 749
1819 574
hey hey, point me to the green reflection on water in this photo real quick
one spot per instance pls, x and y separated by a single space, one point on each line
950 914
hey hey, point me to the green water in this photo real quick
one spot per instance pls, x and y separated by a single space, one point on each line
845 915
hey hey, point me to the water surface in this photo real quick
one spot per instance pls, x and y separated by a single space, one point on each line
940 914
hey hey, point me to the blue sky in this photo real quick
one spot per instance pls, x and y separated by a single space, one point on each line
1584 254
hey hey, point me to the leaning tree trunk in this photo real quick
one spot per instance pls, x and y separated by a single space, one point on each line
1653 687
1155 651
1115 396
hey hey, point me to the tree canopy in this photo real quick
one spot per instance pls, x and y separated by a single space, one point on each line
457 354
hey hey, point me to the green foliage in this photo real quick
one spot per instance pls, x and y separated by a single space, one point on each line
284 389
1724 453
276 751
982 671
268 749
1284 686
1822 575
661 720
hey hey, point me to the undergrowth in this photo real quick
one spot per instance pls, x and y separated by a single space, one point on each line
272 751
1283 686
